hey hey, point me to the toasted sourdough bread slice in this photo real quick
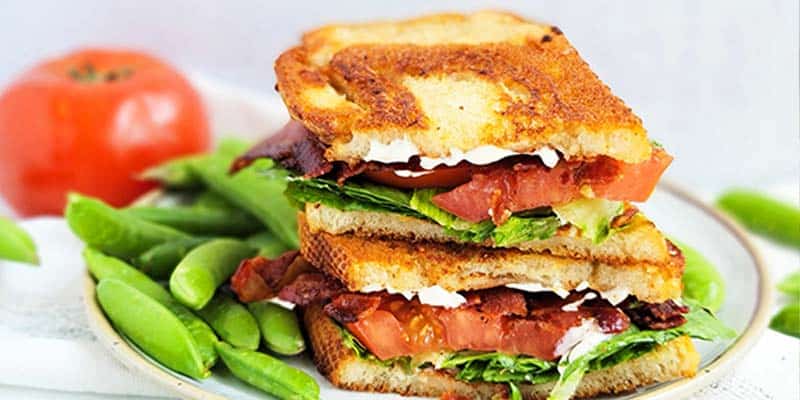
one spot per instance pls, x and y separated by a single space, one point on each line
365 264
639 241
450 81
673 360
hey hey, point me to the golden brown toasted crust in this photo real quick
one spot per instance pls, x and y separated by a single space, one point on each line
639 241
673 360
452 81
368 263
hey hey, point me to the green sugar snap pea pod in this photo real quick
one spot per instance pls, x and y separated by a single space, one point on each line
160 260
16 244
701 280
179 173
200 221
764 215
112 231
211 200
267 244
257 189
176 173
787 321
279 328
153 327
102 267
791 285
232 322
205 268
268 373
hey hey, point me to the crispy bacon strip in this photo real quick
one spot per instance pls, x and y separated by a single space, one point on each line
311 287
350 307
658 316
259 278
294 147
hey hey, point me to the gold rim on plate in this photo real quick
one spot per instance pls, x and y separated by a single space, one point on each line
185 387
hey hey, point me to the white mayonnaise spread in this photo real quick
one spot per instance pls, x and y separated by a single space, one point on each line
616 295
581 339
432 296
573 307
283 303
534 287
405 173
438 296
401 150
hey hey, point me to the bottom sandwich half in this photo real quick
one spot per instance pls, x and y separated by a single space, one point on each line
350 369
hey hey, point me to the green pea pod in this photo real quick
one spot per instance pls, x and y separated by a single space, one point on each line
279 328
160 260
176 173
267 244
232 322
16 244
268 373
791 285
112 231
153 327
257 189
211 200
102 267
205 268
701 280
201 221
179 173
764 215
787 321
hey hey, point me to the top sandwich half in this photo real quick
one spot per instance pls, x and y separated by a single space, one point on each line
486 128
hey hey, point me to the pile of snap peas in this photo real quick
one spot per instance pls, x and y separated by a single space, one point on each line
162 271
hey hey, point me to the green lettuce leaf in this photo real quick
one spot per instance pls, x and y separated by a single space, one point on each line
500 367
352 196
592 216
523 229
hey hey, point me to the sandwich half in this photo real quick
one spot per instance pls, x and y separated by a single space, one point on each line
466 187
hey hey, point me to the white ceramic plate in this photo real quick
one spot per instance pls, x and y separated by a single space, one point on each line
675 212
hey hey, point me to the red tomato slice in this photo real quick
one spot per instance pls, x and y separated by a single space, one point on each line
382 334
635 181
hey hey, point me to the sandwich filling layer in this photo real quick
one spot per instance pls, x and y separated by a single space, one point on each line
514 198
498 335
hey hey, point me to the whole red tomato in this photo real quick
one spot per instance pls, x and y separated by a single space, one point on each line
90 122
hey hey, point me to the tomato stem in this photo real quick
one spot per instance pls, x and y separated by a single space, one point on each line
87 73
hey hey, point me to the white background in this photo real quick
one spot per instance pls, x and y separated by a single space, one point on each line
715 81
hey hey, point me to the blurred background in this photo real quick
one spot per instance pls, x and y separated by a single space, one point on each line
715 81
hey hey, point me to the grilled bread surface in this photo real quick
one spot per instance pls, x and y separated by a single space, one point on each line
451 81
637 242
674 360
373 262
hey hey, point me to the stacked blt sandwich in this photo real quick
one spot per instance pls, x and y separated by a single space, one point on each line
467 227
